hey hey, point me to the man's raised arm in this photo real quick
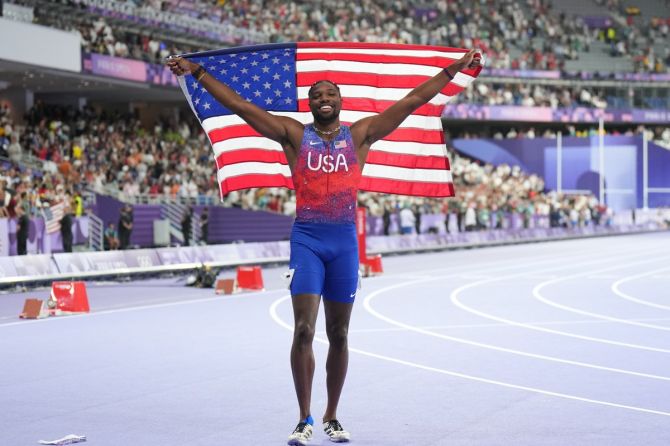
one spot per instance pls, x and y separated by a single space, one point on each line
368 130
282 129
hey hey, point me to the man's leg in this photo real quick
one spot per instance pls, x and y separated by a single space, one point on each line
305 310
338 315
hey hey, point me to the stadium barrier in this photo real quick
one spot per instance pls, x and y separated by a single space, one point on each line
37 269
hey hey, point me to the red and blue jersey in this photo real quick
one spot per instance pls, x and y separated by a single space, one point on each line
326 178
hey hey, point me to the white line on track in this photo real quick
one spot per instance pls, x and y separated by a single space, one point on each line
190 301
456 301
139 307
538 295
368 306
280 322
616 289
493 325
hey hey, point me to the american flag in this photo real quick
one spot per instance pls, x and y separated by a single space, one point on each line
52 217
412 160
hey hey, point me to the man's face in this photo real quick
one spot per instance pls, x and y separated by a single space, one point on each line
325 102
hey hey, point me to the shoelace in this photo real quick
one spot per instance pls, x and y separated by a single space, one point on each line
300 428
334 425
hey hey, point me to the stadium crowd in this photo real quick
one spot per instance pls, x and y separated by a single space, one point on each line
111 153
532 95
519 35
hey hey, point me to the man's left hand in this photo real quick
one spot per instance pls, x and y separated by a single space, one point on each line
471 59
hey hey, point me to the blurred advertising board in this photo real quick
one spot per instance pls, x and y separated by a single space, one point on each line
127 69
546 114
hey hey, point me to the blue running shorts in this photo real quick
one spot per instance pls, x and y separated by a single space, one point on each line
324 260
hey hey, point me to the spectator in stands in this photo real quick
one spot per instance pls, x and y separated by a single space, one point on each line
417 210
5 201
77 204
125 226
186 222
23 210
407 219
386 217
470 220
111 237
204 226
14 150
66 223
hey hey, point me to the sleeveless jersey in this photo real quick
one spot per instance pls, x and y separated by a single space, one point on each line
326 178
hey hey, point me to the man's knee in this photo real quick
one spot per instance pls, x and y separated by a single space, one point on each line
337 336
303 333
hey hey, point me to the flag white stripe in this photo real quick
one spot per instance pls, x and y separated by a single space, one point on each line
382 69
406 174
251 168
375 93
245 142
413 121
462 79
398 147
383 52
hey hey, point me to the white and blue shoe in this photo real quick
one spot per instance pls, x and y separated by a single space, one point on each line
301 435
336 432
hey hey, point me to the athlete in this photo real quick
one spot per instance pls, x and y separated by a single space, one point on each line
326 160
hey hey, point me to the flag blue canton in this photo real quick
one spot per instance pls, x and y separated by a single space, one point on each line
266 78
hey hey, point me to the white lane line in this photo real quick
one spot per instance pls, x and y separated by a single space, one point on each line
492 325
616 290
456 301
139 307
471 270
280 322
368 306
190 301
538 295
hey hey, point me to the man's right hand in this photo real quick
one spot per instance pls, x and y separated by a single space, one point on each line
180 66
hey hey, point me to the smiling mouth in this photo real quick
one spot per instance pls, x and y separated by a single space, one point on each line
325 108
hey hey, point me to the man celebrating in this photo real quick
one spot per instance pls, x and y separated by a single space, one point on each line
326 160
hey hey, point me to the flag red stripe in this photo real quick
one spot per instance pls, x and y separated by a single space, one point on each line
230 132
407 187
254 180
401 134
416 135
250 155
434 61
375 184
306 79
376 106
409 161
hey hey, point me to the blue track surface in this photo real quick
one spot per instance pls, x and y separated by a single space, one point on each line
563 343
